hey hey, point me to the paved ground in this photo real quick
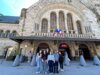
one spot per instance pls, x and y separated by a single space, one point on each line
73 69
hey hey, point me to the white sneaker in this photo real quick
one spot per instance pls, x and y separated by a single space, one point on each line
45 72
37 72
62 70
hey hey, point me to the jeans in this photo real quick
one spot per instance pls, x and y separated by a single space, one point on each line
56 67
61 65
51 66
45 66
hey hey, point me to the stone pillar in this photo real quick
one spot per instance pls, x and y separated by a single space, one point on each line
33 62
53 46
49 24
72 50
74 25
57 20
40 26
94 49
17 59
66 27
33 48
96 60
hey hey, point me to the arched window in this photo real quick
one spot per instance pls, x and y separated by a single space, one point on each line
53 21
7 33
61 20
14 33
1 33
70 21
69 0
78 23
44 26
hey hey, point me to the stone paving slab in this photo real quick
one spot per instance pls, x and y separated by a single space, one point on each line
25 69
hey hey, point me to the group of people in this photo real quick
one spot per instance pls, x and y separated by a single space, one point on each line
49 61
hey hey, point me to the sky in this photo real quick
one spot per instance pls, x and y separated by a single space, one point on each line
13 7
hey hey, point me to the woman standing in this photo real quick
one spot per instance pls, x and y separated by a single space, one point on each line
39 63
61 61
51 60
44 60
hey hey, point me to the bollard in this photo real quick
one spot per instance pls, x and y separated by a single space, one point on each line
16 61
82 61
96 60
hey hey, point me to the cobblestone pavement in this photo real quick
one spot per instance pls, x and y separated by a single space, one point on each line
25 69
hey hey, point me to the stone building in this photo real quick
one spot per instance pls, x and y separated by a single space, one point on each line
78 20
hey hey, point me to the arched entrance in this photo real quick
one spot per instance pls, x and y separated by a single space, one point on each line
83 49
63 47
42 46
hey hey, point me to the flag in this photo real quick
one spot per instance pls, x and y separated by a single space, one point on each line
58 31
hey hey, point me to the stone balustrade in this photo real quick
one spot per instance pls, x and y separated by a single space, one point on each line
89 36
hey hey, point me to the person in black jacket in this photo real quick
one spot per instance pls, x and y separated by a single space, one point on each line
61 60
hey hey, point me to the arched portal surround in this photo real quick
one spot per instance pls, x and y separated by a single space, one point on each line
84 50
64 47
42 46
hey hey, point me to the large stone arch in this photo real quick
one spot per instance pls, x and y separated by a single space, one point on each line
59 6
38 43
85 51
40 9
66 48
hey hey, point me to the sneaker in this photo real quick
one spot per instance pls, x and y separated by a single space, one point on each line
37 72
45 72
62 70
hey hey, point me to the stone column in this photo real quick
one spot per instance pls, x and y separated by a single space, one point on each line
40 26
94 49
49 24
66 27
72 50
33 62
17 59
57 20
74 24
96 60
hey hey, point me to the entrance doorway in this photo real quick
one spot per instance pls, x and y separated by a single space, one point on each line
42 46
83 49
63 47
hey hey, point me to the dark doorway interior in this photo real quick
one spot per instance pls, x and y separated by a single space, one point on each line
83 49
63 47
42 46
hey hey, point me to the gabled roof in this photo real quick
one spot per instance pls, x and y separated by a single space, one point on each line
9 19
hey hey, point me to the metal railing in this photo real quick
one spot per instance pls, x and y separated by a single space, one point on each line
89 36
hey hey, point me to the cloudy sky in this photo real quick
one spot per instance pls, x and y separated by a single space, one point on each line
13 7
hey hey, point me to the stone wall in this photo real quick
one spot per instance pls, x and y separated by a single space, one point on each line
5 43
